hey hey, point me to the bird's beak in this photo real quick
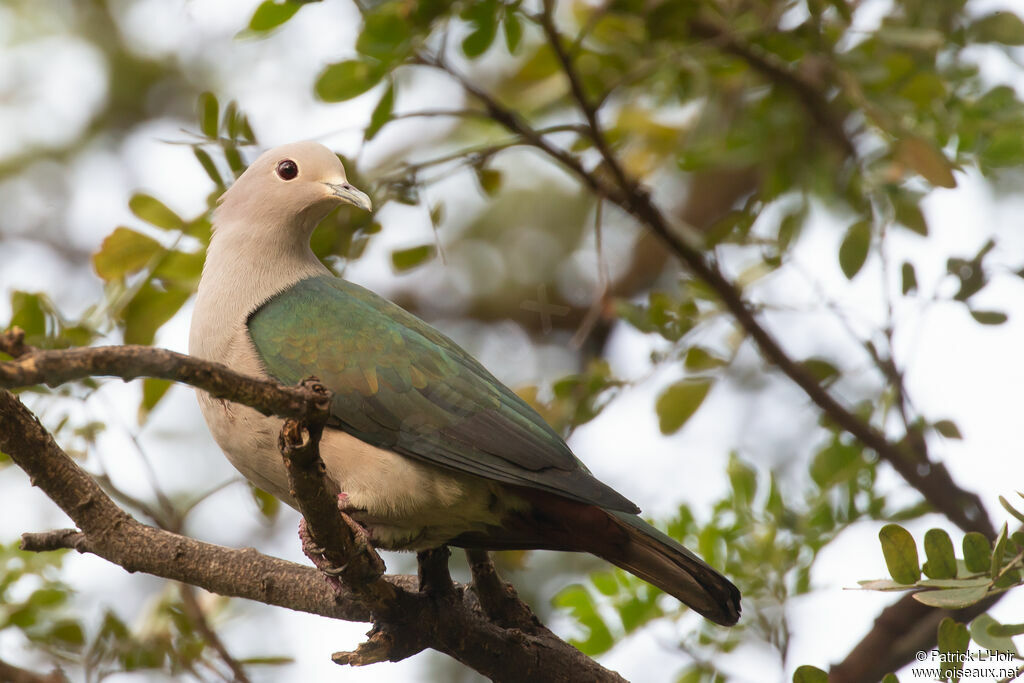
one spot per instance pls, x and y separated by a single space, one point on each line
350 195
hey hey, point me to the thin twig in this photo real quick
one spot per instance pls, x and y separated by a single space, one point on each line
811 97
195 613
547 22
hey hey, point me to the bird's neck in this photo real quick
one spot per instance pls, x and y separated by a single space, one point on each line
245 266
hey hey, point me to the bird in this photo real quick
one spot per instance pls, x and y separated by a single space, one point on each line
427 447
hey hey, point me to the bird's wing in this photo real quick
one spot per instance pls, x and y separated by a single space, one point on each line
401 385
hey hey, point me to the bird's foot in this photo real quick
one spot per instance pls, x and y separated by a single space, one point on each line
316 553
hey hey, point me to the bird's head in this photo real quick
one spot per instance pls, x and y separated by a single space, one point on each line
291 186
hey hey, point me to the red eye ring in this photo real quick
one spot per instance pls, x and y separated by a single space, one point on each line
287 169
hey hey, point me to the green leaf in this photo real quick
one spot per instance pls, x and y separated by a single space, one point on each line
267 504
489 179
977 552
266 661
999 27
699 358
483 18
984 633
386 34
989 317
406 259
742 478
513 29
269 15
890 678
998 551
954 583
148 310
679 402
953 639
835 462
1007 630
809 674
853 251
154 212
900 553
208 113
47 597
28 313
344 80
909 215
69 633
790 227
938 548
605 583
234 159
884 585
124 252
381 113
1012 510
180 268
820 369
924 158
577 600
948 429
909 278
153 389
207 163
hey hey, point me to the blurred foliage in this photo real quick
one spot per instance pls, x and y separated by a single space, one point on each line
33 600
805 105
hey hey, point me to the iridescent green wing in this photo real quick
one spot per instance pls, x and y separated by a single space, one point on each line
401 385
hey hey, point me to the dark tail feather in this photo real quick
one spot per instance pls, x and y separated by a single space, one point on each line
625 540
660 560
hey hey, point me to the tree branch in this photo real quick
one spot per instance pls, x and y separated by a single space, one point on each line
810 96
194 611
109 532
405 624
15 674
901 631
32 366
497 598
930 478
317 497
547 22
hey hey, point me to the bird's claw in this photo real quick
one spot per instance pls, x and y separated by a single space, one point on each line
316 553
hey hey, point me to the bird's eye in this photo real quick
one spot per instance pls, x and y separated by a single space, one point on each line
287 170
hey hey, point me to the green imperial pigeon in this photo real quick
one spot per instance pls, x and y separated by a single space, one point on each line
426 445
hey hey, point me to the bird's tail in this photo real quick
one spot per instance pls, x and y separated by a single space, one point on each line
622 538
660 560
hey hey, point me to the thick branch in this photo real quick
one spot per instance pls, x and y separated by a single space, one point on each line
107 531
414 620
32 366
901 631
498 599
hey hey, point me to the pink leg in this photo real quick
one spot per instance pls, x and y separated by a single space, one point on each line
316 554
